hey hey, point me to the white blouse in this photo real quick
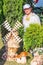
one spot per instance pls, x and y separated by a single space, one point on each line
30 19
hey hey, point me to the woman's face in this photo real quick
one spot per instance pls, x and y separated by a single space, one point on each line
27 11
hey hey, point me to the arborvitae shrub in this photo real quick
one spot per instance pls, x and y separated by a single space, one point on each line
13 10
33 37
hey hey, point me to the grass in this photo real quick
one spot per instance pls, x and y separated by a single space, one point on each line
11 63
2 62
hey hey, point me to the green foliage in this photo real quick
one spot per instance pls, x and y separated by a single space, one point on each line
21 32
41 17
33 37
0 6
39 12
0 11
13 10
28 1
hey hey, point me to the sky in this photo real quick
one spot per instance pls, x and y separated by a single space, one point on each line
39 4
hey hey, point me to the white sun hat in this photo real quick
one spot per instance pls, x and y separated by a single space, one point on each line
26 6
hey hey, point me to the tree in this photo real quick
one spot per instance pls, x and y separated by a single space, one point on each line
13 10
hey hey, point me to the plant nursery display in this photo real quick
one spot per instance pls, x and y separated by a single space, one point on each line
19 46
